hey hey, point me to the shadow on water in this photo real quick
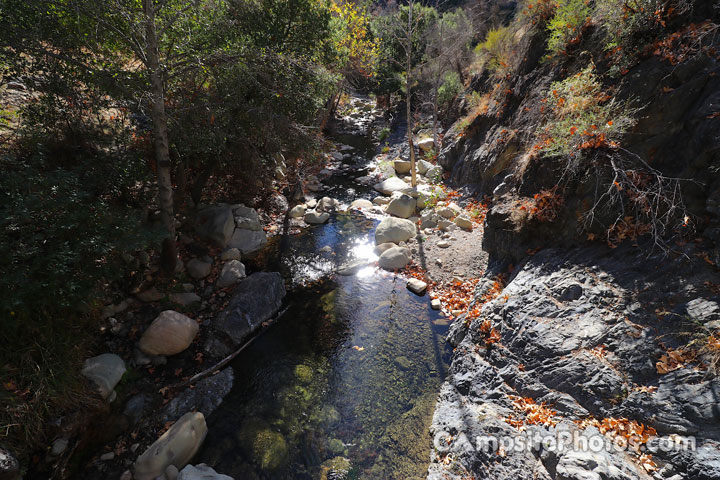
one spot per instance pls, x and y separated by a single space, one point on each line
346 380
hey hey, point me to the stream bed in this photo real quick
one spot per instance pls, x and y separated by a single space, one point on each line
344 384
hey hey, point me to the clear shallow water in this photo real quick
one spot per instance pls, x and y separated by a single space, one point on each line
347 377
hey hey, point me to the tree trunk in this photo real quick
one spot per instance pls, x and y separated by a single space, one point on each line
159 119
435 120
407 94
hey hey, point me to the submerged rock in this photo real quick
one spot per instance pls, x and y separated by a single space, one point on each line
336 468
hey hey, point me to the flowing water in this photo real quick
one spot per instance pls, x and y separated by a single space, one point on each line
344 384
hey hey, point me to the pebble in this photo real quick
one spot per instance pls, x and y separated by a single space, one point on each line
443 244
59 446
435 304
105 457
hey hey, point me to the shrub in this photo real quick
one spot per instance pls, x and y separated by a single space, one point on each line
582 116
450 88
566 26
494 52
384 134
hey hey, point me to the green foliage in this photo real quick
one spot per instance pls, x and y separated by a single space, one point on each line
582 116
384 134
391 32
566 26
494 51
451 87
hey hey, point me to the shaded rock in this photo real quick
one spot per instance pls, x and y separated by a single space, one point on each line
247 218
150 295
394 230
248 241
392 184
198 268
316 218
230 254
395 258
175 447
105 371
58 447
232 272
402 166
9 466
185 298
136 407
256 299
298 211
402 206
416 286
205 397
170 333
201 472
215 224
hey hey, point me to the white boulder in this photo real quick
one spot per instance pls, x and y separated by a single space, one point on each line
402 166
175 447
298 211
316 218
390 185
402 206
395 230
395 258
170 333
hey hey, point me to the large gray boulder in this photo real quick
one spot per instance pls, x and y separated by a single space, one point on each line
256 300
215 224
402 206
423 166
394 230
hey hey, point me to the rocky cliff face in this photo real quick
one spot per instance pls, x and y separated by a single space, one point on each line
602 344
590 334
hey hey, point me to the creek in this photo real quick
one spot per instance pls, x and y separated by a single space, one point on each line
344 384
